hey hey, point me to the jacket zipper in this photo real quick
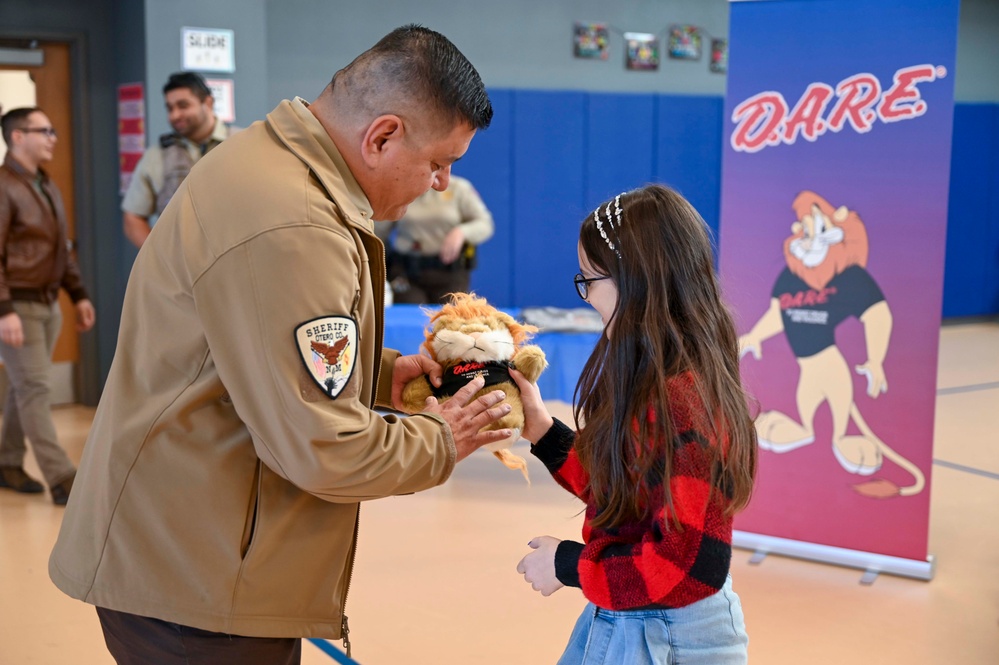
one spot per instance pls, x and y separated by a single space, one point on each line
379 296
344 628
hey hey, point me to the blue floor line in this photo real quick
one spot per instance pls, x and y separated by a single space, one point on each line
332 651
966 469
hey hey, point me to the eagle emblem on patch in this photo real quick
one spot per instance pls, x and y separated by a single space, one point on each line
328 347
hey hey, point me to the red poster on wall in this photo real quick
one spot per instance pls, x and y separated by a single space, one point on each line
131 131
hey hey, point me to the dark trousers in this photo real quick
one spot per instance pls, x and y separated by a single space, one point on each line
135 640
431 286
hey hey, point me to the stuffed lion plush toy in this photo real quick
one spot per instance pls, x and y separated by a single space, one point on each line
468 337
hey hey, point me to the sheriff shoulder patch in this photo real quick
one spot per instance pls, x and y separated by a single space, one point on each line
328 347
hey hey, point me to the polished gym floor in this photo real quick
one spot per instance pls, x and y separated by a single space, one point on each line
435 580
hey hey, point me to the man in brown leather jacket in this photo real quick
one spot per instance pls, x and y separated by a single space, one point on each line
35 262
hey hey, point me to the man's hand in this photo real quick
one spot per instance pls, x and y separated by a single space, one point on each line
451 247
538 567
11 331
85 315
406 369
136 228
467 418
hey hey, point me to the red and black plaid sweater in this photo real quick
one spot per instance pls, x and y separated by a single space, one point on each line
649 564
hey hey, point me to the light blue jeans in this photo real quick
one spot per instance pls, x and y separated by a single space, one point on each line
709 632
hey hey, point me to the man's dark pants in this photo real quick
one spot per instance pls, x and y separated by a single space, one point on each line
135 640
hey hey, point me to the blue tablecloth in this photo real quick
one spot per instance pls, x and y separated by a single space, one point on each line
566 351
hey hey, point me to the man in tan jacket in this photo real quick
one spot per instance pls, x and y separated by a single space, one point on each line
215 508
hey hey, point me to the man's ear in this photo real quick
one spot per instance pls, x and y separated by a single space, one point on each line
17 139
210 102
380 134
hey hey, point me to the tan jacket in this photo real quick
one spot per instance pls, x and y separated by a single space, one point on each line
219 486
35 258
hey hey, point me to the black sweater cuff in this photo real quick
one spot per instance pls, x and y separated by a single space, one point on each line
553 448
567 562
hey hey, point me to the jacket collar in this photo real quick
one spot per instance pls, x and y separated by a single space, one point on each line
303 134
220 132
19 169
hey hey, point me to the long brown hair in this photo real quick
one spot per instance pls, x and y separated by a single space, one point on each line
669 319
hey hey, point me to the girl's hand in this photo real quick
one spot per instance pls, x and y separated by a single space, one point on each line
538 567
537 420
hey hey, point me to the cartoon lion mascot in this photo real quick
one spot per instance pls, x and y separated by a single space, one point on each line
825 283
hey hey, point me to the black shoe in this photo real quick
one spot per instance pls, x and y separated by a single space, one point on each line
14 478
60 492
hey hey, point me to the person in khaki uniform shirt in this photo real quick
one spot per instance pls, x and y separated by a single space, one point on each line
434 246
214 514
196 130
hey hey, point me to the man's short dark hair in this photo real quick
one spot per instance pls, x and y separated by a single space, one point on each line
16 119
190 80
432 69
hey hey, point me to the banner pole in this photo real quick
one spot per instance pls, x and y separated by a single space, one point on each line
872 564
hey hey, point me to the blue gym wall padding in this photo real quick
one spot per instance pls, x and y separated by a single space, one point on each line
488 164
620 146
548 175
971 271
550 157
689 150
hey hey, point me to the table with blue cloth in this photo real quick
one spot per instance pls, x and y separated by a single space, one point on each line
567 352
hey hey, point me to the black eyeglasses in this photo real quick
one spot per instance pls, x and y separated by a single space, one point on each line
48 131
583 284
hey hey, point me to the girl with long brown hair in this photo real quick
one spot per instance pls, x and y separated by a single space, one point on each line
665 450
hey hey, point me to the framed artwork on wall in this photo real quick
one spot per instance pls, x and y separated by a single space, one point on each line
685 42
719 56
589 40
641 51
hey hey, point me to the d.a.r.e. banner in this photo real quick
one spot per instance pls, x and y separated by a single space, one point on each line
835 174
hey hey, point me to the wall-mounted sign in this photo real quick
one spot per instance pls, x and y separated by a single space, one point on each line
225 101
131 131
207 49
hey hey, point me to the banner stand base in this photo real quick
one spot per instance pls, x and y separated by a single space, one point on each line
872 564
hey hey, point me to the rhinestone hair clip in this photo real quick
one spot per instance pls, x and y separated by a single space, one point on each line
610 222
